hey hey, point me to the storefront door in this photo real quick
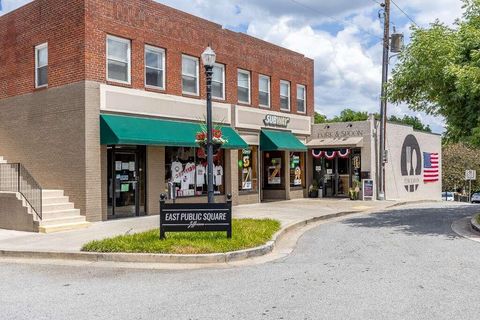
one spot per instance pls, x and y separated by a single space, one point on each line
126 193
333 176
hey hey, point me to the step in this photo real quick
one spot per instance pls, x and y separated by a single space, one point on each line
52 193
60 214
54 200
62 220
56 207
63 227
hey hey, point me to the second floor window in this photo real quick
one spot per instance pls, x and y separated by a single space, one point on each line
218 81
118 59
189 75
41 65
264 91
285 95
301 98
154 67
243 86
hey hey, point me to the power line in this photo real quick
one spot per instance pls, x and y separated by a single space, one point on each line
406 15
333 18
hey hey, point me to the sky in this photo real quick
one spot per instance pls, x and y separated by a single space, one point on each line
342 36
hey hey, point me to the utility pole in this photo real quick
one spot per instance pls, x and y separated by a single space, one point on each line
383 99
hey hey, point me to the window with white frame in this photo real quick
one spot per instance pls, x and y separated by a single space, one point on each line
218 81
154 67
190 75
264 91
243 86
41 65
301 98
118 59
284 95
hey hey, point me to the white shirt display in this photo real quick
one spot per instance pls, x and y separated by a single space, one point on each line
218 175
190 172
177 172
185 184
200 175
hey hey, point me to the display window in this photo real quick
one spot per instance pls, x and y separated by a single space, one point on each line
273 170
247 169
297 169
186 168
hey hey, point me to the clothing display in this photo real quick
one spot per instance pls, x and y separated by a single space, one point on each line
201 171
177 172
218 175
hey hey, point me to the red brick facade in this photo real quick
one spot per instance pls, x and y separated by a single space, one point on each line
76 32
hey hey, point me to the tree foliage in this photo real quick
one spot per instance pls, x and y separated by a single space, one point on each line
411 121
349 115
439 73
457 157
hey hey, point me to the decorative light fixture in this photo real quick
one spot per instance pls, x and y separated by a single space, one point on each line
209 57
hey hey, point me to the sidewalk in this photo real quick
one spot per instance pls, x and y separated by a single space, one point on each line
287 212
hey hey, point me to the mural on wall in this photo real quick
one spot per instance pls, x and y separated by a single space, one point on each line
411 163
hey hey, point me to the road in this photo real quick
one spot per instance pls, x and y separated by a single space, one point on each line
401 264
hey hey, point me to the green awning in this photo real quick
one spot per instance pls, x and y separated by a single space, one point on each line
128 130
280 141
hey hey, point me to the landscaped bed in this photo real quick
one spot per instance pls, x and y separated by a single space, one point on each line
246 233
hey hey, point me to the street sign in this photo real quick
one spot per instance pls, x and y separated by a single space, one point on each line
470 175
189 217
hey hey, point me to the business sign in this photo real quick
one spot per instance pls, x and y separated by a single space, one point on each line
276 121
194 217
411 163
367 188
470 175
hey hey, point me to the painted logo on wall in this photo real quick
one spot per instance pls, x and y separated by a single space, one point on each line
411 163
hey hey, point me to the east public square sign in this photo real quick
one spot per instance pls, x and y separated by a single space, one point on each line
194 217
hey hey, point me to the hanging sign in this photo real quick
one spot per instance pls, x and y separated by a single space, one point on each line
190 217
470 175
276 121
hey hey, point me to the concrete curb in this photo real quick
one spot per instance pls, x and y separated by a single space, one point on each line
177 258
474 223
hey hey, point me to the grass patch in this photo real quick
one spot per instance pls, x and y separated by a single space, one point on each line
478 218
246 233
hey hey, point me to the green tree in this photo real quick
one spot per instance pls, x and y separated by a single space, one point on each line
349 115
458 157
439 73
320 118
411 121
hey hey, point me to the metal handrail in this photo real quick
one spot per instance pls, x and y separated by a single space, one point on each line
14 177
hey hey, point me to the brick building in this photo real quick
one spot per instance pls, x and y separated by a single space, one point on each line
100 100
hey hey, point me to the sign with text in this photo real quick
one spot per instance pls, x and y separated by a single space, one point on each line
190 217
276 121
470 175
367 189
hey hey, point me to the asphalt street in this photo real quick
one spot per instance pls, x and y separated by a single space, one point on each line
401 264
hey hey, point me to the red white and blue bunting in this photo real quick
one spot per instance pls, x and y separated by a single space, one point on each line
330 155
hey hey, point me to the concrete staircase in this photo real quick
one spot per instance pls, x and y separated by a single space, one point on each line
58 213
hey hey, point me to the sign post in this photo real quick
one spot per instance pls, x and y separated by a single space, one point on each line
193 217
470 175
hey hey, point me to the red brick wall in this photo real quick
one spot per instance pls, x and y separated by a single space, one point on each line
148 22
60 23
65 25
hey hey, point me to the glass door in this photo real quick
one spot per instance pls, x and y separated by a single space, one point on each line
330 178
125 183
343 177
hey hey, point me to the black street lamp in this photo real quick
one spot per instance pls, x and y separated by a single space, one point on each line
208 59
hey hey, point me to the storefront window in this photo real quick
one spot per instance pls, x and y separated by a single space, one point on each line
187 169
297 169
273 170
247 169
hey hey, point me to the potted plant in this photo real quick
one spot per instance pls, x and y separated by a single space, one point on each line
217 138
354 191
313 190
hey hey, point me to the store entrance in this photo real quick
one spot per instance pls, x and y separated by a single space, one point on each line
334 174
126 181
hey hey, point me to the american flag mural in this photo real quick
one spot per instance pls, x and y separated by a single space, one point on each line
430 167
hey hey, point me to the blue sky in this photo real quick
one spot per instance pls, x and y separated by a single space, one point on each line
342 36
